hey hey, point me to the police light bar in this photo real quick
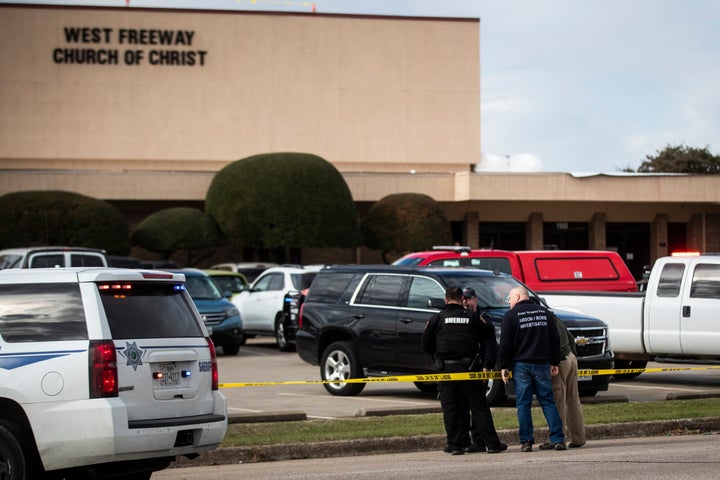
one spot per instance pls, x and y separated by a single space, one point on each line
453 248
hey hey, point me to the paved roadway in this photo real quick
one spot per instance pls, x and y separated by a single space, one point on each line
260 361
692 457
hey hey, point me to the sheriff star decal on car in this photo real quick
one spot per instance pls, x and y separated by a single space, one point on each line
133 354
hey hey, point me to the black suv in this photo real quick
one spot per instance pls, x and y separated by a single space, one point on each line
363 321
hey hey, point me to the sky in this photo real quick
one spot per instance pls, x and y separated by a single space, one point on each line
565 85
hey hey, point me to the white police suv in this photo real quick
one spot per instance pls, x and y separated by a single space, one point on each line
104 373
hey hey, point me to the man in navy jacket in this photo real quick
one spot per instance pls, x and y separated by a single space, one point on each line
530 347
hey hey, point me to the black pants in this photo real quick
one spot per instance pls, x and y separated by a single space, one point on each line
474 434
456 398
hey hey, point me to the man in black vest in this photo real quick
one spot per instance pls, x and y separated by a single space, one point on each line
452 336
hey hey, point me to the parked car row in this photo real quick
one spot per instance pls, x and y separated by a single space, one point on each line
262 305
250 270
256 309
44 257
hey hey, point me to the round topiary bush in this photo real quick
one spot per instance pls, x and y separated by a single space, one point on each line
288 200
42 218
178 229
404 222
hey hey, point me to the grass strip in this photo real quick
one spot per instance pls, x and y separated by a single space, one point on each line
273 433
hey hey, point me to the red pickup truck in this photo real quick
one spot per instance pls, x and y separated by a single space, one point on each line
541 270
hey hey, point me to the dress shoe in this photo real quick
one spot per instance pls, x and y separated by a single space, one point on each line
475 448
553 446
500 448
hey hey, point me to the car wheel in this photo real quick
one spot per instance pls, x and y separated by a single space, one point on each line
282 342
622 364
339 363
16 459
427 387
231 349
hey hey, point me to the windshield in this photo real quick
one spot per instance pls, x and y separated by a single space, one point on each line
492 290
301 281
408 261
202 288
10 261
229 283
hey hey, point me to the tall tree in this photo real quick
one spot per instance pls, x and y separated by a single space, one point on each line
179 230
33 218
681 159
281 201
404 222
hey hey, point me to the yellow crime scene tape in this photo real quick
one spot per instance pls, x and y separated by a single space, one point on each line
445 377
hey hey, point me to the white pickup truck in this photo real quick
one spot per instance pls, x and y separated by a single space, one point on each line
678 316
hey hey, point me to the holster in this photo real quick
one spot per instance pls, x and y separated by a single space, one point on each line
438 363
476 364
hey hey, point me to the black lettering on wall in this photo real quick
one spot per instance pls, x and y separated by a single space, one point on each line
87 35
128 36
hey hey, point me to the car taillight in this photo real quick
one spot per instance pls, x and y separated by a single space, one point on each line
300 315
103 369
213 360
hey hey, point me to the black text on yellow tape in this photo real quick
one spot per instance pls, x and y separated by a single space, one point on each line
446 377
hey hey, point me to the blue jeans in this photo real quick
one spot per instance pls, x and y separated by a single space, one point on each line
535 378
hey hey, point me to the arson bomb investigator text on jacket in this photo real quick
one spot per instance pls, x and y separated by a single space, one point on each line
530 347
452 336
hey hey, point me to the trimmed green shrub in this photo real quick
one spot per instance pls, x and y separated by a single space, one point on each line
283 200
179 230
39 218
405 222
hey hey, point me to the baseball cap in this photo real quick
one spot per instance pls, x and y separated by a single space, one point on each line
469 292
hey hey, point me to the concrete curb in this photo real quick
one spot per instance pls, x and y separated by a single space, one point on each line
344 448
266 417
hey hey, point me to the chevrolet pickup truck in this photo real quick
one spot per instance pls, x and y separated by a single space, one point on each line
675 317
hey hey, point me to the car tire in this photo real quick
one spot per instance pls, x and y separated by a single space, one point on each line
231 349
622 364
17 461
427 387
339 362
282 342
590 392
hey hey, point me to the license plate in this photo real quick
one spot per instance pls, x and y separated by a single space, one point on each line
171 375
584 378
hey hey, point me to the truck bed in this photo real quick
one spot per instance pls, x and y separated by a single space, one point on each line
622 311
